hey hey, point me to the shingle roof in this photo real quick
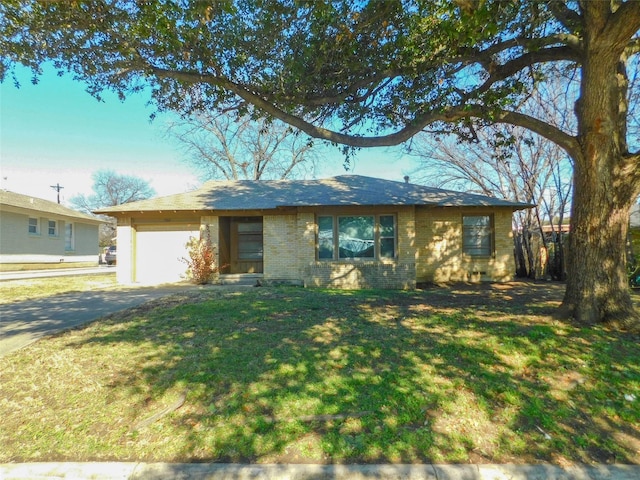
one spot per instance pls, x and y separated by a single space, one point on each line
35 204
344 190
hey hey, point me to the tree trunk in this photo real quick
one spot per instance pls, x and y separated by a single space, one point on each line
532 256
597 284
521 266
604 188
559 261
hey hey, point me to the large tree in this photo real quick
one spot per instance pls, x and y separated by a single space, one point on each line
110 189
375 73
231 147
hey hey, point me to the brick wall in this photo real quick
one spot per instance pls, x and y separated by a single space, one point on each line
429 250
280 237
347 275
439 253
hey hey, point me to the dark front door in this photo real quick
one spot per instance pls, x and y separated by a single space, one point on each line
246 245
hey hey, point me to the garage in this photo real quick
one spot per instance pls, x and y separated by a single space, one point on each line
159 250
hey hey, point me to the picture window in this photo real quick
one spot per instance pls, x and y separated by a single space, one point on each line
344 237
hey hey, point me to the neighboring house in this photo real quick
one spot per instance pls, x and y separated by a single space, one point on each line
634 218
634 231
33 230
349 231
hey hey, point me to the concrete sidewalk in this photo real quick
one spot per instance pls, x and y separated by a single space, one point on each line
217 471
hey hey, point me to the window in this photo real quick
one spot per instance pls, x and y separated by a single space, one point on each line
387 236
34 227
68 237
356 237
250 241
53 228
325 238
477 235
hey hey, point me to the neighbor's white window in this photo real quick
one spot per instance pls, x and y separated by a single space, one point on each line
477 235
34 226
53 228
68 237
356 237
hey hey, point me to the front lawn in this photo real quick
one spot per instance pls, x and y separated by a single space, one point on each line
461 374
30 288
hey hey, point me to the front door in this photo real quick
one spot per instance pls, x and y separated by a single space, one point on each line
246 245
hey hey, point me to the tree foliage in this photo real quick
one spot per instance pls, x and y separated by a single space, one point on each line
376 73
242 148
110 189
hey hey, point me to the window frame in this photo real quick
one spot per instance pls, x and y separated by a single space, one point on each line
36 230
377 237
55 228
394 219
489 232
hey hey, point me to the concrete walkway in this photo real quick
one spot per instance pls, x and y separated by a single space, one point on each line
216 471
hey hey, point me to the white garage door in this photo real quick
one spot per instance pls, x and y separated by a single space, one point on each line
159 250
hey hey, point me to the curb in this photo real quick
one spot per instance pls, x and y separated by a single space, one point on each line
217 471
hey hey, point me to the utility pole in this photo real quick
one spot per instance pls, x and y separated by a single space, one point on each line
57 188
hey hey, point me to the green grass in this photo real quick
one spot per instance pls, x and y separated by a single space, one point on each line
464 374
27 289
21 267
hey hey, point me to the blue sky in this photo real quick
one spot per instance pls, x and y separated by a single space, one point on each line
54 132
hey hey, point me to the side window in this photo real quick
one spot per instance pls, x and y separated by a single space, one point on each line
387 236
53 228
325 238
477 235
34 227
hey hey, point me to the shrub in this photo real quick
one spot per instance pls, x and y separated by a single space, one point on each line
202 259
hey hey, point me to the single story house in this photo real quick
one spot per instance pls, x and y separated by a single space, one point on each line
634 218
348 231
33 230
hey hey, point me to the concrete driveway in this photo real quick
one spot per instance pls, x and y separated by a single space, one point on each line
22 323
